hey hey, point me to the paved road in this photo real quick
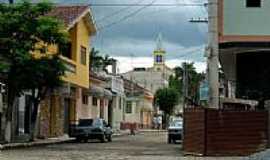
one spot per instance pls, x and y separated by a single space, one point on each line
143 146
147 146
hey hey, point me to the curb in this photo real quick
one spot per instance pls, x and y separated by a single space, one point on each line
11 146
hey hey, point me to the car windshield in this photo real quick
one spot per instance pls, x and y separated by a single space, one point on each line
176 124
97 123
85 122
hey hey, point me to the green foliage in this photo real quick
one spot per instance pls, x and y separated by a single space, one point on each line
167 98
99 62
22 26
43 73
95 59
194 79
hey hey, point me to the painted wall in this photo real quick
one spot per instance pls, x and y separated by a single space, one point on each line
148 79
118 111
84 110
240 20
79 37
133 117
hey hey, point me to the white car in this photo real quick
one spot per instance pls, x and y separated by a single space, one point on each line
175 131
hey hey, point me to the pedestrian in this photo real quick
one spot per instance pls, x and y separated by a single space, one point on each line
155 124
132 129
159 120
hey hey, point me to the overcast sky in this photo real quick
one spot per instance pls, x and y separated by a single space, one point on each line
133 40
130 36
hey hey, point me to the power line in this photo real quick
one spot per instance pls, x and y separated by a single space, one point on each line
117 12
127 16
138 5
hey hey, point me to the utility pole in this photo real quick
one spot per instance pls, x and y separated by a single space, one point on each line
213 54
185 84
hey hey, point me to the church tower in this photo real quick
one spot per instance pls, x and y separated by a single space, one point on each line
159 55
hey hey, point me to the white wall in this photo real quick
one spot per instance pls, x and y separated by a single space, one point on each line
117 112
240 20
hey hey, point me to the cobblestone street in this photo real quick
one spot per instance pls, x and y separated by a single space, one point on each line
143 146
147 146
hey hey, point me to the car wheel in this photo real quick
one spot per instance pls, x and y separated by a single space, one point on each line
78 139
103 138
109 138
169 140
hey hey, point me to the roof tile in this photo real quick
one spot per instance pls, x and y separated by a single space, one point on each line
68 14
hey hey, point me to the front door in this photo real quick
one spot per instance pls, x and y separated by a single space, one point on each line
66 115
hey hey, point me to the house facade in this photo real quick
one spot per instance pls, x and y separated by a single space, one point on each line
99 98
244 37
65 108
139 107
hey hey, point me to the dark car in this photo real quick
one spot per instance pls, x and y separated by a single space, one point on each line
92 129
175 131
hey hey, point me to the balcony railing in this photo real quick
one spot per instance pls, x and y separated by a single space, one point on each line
69 64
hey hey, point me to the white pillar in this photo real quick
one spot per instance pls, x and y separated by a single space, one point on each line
213 57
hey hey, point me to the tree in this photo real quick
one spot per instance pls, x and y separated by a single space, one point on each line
167 99
45 75
98 62
194 79
176 81
22 26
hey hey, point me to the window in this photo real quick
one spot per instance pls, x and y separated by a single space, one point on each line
120 103
65 50
129 107
94 101
159 58
253 3
84 99
83 55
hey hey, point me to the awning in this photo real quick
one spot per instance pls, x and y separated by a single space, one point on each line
96 91
108 94
100 92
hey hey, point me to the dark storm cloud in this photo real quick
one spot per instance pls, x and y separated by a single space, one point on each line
137 34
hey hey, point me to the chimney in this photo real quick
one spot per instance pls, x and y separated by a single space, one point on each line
114 67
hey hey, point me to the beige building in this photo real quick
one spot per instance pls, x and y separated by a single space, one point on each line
155 77
139 107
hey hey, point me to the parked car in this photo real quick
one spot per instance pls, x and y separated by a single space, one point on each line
175 131
92 129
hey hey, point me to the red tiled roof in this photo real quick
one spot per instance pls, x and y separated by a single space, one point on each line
68 14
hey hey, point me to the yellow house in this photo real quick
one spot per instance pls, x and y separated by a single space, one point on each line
62 108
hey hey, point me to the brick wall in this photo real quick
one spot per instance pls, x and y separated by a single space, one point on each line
220 132
194 135
235 132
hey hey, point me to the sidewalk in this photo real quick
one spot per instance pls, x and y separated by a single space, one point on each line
264 155
50 141
152 130
38 142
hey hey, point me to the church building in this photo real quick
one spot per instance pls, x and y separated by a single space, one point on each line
155 77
